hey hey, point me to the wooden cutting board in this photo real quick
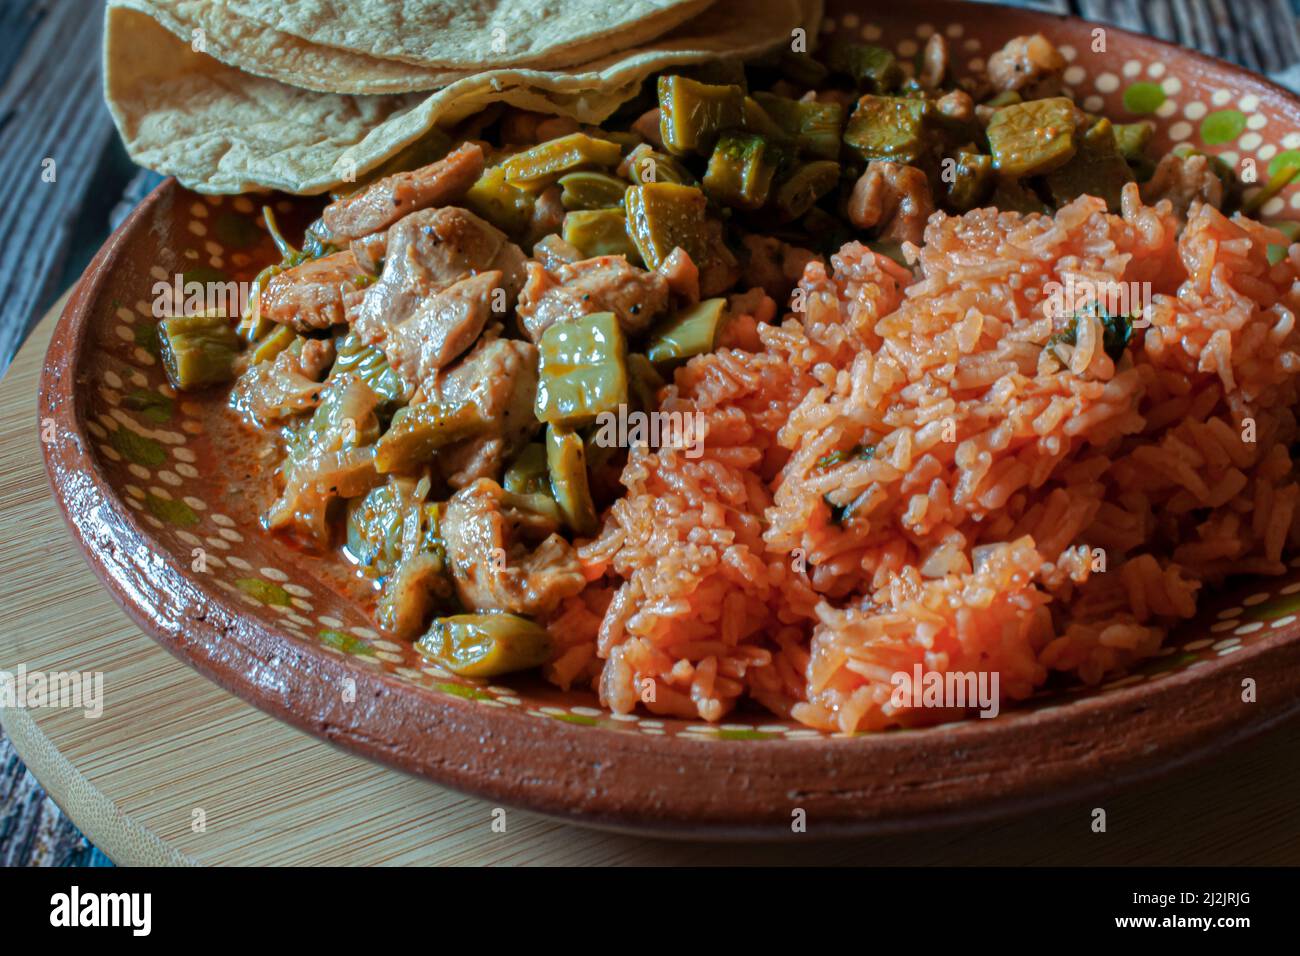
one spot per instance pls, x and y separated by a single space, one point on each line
177 771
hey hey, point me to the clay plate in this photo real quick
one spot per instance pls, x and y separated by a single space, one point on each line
139 478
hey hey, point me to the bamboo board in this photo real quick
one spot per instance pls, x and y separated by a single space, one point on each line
172 748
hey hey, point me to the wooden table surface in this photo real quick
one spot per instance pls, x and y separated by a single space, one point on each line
50 109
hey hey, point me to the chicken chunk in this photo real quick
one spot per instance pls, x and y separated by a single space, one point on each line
442 327
385 201
1182 180
774 266
934 62
602 284
427 252
311 295
682 275
894 199
370 250
500 378
496 571
1029 65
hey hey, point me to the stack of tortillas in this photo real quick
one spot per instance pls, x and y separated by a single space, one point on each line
236 95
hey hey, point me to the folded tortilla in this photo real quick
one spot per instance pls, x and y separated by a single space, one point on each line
222 130
212 28
455 34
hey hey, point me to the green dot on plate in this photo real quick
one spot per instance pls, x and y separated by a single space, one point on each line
1143 97
1222 126
1282 160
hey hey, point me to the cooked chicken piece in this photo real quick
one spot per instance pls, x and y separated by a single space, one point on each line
427 252
683 278
553 251
310 296
548 216
387 200
602 284
720 269
1029 65
370 251
934 62
956 105
1181 180
500 377
493 570
272 391
518 127
893 198
647 127
774 266
842 97
443 327
553 127
316 358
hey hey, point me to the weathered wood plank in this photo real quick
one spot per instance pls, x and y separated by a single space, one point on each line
51 108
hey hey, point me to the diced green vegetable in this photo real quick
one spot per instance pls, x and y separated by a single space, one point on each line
806 184
663 216
718 72
587 189
693 331
1005 98
371 365
543 164
198 350
816 128
827 232
1010 195
375 525
486 645
972 180
419 430
888 127
644 382
646 165
566 459
802 69
1132 139
1029 139
758 121
583 370
740 170
600 232
873 68
527 474
691 114
279 338
1096 169
345 418
506 206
